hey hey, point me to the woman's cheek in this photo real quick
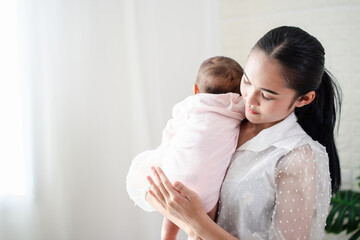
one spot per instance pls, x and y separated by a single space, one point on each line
243 91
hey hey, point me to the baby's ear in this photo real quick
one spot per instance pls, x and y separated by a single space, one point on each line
196 89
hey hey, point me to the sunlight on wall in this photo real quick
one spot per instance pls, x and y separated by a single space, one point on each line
13 170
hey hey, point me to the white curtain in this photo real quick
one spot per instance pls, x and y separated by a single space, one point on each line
102 78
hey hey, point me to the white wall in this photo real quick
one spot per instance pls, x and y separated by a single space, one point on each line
336 24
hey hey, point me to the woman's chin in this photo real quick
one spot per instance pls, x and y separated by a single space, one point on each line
253 118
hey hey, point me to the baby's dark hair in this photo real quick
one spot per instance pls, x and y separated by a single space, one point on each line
219 75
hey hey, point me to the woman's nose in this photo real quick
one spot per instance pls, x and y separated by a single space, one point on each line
252 98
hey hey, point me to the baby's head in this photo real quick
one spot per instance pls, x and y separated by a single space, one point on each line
218 75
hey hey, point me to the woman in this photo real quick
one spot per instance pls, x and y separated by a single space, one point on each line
279 183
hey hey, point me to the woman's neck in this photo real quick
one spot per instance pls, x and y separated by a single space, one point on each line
248 130
256 128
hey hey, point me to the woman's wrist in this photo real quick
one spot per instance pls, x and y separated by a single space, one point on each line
192 235
195 225
207 229
200 226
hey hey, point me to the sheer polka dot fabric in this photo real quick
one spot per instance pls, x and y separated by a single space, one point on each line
281 191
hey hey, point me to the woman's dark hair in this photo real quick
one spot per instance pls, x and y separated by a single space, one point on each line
302 60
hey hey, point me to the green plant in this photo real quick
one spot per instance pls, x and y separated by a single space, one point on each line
345 213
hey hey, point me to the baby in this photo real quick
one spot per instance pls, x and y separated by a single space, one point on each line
199 140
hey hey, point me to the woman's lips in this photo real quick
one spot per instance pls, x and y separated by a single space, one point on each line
252 111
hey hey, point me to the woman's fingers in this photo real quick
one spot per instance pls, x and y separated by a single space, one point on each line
183 190
159 183
172 197
154 201
166 182
190 195
156 191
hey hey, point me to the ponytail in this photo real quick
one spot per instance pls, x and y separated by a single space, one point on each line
318 119
302 59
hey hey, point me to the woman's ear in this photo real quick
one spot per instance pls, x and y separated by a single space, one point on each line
195 89
305 99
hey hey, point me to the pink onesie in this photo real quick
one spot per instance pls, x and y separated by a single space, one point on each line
197 145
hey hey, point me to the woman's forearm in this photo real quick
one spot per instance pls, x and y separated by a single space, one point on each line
207 229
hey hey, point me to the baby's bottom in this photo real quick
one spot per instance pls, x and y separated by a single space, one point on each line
169 230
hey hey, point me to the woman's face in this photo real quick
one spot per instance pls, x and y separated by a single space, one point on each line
266 97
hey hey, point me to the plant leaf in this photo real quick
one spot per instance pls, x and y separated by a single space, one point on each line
345 212
356 236
329 221
352 224
339 221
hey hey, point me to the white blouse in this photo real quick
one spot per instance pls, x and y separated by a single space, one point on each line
277 186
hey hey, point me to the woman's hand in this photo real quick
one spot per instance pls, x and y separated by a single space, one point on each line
175 201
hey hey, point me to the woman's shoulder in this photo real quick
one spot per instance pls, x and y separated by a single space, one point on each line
302 142
307 152
309 145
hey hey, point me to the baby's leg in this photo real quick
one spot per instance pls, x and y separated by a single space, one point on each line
169 230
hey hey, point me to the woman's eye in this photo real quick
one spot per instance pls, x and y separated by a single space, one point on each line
267 99
245 80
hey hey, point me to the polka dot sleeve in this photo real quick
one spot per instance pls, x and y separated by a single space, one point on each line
299 183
